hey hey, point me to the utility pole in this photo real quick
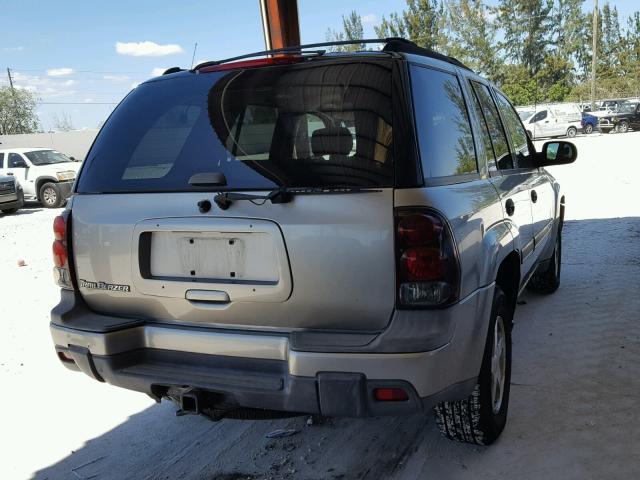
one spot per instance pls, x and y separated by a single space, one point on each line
10 79
594 57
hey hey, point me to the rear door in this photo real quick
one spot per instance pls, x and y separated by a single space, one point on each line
147 246
512 183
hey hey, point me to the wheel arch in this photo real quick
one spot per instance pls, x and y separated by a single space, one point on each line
41 181
508 277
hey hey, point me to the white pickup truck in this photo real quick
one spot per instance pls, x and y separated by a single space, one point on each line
44 174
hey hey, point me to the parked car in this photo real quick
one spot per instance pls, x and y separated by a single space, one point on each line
46 175
343 234
626 116
589 123
11 195
552 120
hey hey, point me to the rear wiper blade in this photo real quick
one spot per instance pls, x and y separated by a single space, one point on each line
284 194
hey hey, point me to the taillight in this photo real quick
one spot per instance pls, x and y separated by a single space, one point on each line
60 249
427 264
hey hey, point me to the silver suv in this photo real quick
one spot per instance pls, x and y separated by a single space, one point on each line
342 234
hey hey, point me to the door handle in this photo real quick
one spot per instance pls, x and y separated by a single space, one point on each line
510 207
534 196
10 173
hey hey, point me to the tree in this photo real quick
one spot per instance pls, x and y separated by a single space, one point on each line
62 123
422 23
17 111
352 30
568 24
527 28
471 34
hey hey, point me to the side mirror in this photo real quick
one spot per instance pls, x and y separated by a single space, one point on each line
557 153
73 159
20 164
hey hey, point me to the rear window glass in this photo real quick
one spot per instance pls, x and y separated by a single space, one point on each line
315 124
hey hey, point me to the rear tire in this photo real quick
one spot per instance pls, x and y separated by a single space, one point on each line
50 195
548 280
571 132
481 417
588 129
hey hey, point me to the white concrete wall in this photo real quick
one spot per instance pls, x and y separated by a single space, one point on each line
74 144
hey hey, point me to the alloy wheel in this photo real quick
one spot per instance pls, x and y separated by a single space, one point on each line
498 364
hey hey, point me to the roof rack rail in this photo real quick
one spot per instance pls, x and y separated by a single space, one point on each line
392 44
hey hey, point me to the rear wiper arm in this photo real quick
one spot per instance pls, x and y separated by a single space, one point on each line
284 195
279 195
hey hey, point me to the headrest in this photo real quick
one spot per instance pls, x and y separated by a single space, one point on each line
331 141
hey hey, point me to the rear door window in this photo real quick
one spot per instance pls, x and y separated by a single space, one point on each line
484 132
314 124
442 123
494 124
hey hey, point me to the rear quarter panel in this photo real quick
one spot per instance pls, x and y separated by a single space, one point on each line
474 213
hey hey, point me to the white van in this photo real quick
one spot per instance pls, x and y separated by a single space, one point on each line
553 120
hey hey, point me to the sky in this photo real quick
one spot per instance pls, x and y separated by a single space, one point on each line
80 58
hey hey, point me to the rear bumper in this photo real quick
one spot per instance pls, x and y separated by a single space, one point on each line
270 371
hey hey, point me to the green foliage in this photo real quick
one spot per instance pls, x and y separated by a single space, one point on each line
535 50
422 23
352 30
472 36
17 111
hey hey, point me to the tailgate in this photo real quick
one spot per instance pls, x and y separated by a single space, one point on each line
319 262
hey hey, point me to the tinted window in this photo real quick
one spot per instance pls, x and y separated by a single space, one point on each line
484 132
539 116
314 124
517 133
1 160
442 124
15 161
498 137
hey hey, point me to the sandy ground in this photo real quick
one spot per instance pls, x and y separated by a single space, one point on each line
575 392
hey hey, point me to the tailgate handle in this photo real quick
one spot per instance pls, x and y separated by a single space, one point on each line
212 296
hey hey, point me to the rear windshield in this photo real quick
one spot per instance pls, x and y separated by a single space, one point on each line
315 124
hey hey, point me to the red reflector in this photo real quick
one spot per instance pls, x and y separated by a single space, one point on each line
390 395
59 254
62 356
59 228
256 62
421 263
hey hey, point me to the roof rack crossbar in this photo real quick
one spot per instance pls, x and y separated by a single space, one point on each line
294 48
392 44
